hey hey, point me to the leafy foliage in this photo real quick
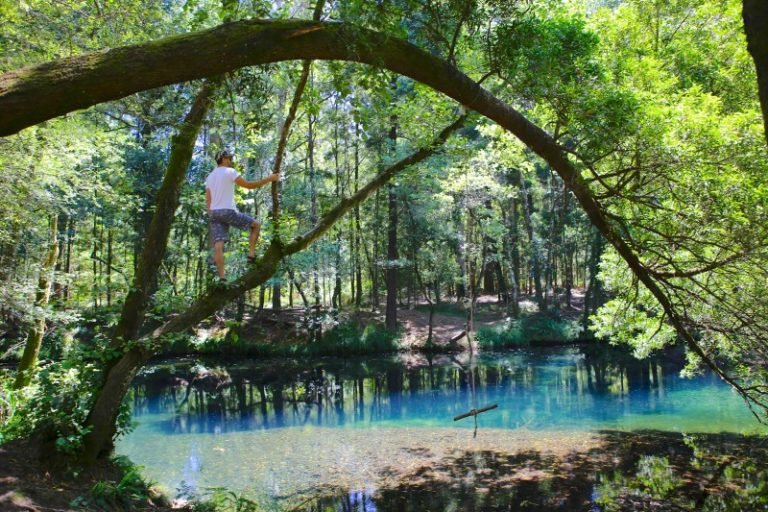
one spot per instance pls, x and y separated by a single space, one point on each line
532 330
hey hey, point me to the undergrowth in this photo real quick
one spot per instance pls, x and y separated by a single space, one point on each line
347 338
539 329
131 492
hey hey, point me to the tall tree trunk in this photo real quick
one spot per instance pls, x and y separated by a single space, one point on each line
510 244
392 253
473 278
109 266
373 265
593 296
755 14
28 361
58 286
459 247
568 247
526 200
315 325
103 413
94 262
336 295
68 262
358 263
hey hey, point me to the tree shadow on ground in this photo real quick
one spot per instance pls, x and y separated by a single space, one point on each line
645 470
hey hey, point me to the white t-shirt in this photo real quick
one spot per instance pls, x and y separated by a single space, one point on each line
221 183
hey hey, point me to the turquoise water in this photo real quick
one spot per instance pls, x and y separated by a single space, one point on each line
281 431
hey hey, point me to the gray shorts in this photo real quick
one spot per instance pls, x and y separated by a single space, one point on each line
221 220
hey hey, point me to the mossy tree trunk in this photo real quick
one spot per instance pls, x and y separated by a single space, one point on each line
28 361
755 14
120 372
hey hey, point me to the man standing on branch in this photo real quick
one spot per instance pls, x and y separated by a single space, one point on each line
222 212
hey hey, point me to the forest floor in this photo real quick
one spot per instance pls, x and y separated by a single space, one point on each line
489 313
31 481
448 326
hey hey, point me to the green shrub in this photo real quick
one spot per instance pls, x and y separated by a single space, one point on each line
654 481
219 499
351 338
539 329
58 399
129 493
8 403
508 335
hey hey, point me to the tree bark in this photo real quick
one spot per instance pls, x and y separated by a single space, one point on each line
28 361
358 277
392 253
526 200
513 258
58 286
755 14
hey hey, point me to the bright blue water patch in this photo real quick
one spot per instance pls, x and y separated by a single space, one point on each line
540 390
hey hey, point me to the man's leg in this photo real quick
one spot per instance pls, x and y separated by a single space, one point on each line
218 256
253 238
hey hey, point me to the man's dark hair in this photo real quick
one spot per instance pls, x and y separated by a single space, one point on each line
221 155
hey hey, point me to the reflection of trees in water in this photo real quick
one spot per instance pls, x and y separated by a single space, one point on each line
337 392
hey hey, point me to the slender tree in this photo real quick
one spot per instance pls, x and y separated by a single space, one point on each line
28 361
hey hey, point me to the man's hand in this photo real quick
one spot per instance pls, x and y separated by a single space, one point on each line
275 176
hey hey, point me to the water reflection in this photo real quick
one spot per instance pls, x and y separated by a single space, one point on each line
570 388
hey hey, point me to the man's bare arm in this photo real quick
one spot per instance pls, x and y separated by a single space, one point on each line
208 199
256 184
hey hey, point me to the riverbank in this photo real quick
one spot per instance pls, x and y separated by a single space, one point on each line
31 480
288 332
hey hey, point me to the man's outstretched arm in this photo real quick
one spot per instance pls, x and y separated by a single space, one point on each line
256 184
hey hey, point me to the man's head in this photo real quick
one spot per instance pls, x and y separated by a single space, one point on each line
224 157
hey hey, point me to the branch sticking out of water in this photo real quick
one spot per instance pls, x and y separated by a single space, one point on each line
474 412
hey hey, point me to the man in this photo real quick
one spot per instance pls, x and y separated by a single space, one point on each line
222 212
